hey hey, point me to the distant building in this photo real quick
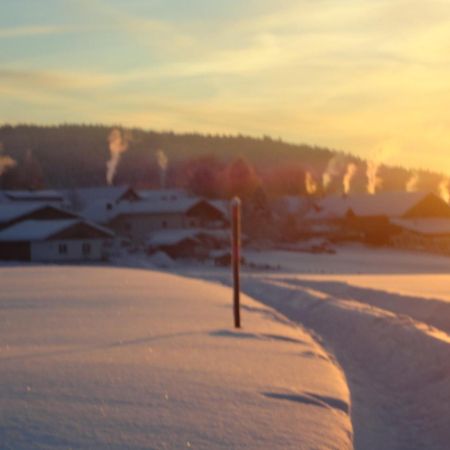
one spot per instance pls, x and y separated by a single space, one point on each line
138 219
432 235
69 240
191 243
369 217
81 199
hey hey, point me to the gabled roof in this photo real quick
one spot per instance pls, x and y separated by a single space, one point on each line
41 230
10 212
390 204
110 194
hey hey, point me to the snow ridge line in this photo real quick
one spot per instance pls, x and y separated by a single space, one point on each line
398 369
370 308
430 311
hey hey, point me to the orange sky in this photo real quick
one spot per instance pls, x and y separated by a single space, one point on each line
358 75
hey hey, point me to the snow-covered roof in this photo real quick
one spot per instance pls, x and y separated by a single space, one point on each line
40 195
390 204
163 194
88 195
12 211
172 237
425 226
39 230
181 205
104 212
35 230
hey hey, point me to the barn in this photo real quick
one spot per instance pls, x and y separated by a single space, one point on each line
65 240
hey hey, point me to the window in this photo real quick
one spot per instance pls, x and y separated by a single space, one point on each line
164 224
86 248
62 249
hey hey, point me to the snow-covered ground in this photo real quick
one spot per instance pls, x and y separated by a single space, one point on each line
385 315
114 358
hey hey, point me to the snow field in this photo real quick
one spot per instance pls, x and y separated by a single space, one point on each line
132 359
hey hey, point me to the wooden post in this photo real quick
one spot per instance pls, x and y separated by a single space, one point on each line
236 257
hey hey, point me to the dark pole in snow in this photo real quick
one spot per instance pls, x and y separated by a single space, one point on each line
236 257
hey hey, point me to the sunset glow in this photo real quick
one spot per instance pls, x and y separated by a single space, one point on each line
361 76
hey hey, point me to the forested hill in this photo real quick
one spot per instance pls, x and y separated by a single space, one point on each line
76 155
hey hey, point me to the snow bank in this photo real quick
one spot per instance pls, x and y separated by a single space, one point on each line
131 359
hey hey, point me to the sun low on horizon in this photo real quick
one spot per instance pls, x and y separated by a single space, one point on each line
371 78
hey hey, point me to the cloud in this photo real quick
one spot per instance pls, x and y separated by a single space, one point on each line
36 30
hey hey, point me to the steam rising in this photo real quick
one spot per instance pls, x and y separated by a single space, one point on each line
444 190
412 185
6 163
335 167
373 180
310 183
118 144
348 177
163 163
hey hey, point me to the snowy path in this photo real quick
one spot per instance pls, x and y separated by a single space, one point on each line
102 358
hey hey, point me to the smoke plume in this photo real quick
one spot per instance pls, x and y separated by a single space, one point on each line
373 180
412 185
348 177
163 163
310 183
118 144
444 190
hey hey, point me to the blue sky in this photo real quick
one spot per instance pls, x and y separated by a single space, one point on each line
370 77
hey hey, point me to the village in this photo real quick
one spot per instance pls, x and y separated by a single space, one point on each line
94 224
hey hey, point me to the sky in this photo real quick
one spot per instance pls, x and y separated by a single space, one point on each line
371 77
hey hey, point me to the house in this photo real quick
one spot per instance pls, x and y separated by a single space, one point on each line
187 243
369 217
65 240
429 234
139 219
12 213
80 199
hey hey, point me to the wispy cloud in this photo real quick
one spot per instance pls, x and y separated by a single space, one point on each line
36 30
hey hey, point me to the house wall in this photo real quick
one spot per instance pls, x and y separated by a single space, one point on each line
15 251
139 226
49 251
